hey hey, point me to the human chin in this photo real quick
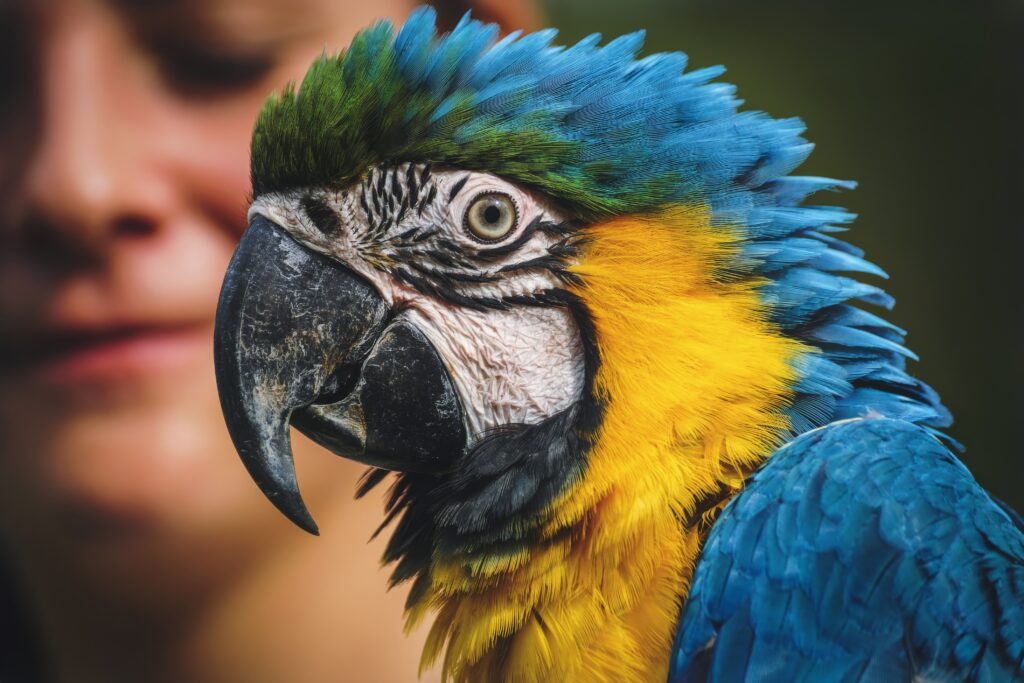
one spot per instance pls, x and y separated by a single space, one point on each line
149 455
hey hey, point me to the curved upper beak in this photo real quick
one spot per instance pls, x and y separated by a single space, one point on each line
299 338
286 320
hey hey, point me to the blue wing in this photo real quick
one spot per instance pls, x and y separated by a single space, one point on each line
863 551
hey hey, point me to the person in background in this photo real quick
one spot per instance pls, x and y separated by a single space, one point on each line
134 540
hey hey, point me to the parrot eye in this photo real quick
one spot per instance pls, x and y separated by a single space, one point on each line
490 216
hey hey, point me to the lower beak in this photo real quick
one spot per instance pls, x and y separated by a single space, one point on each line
301 339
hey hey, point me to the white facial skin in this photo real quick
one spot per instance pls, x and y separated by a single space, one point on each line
517 365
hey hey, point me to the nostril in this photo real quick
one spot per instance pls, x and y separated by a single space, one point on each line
45 243
134 226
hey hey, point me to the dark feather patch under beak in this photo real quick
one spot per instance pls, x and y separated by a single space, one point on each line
301 339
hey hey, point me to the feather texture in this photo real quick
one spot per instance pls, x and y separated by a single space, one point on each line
862 551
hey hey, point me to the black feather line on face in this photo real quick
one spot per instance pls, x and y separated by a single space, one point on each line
362 201
514 245
396 187
549 263
410 181
406 235
450 276
376 203
441 290
457 187
448 246
402 208
444 258
427 200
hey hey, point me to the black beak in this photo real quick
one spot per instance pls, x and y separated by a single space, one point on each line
302 339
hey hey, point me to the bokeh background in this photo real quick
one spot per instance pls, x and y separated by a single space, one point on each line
922 103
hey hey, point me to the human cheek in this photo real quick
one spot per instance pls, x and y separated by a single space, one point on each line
210 160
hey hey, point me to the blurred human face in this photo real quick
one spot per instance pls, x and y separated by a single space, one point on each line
124 129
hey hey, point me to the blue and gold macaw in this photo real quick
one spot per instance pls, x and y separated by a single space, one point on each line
641 426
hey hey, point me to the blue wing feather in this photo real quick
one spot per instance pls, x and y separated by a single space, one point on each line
863 551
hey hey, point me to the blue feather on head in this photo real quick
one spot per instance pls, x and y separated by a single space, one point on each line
606 133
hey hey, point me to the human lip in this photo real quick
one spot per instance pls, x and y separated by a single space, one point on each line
105 354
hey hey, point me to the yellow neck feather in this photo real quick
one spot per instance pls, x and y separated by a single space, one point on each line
694 380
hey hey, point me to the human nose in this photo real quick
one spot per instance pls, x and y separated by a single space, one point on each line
83 183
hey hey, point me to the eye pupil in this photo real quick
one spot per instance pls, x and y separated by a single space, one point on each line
491 216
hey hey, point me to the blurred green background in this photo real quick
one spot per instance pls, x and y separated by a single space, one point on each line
921 103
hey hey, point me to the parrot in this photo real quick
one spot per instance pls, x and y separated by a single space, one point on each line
640 411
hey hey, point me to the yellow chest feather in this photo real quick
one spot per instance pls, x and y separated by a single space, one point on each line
694 381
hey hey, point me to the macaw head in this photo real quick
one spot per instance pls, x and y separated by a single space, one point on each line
544 285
